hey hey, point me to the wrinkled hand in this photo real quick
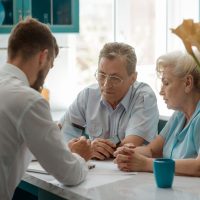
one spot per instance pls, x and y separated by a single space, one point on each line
129 145
81 146
128 160
102 148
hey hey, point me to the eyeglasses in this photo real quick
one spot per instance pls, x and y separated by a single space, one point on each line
114 80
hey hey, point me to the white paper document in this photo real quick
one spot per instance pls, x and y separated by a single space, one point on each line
35 167
101 173
107 167
96 167
104 172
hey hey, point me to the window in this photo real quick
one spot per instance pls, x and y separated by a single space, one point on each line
143 24
77 61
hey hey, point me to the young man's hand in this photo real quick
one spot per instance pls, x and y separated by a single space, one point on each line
81 146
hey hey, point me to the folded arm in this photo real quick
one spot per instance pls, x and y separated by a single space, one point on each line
188 167
131 158
134 139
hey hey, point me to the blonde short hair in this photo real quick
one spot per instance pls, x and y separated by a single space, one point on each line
181 63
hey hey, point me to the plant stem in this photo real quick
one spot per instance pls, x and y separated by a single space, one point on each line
196 60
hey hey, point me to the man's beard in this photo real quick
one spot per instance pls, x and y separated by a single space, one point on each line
38 84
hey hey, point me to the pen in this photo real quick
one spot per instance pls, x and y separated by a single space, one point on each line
91 166
37 171
78 126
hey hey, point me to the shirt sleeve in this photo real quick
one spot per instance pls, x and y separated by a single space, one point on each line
145 116
45 141
195 132
69 131
75 117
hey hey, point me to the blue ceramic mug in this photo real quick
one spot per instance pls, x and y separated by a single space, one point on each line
164 169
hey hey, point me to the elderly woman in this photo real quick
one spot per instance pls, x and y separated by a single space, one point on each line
180 138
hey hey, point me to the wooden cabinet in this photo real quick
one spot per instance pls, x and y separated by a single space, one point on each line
60 15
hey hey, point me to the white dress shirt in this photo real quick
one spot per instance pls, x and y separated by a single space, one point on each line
26 128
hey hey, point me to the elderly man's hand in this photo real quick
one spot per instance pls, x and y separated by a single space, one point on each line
81 146
102 148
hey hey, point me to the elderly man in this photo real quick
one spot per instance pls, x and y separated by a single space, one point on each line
118 109
26 124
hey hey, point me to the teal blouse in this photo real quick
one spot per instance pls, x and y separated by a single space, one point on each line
182 142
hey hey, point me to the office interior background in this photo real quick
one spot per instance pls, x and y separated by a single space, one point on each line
143 24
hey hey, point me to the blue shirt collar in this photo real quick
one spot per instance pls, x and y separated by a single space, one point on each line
197 110
124 102
181 117
127 97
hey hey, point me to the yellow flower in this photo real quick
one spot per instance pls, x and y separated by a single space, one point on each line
189 32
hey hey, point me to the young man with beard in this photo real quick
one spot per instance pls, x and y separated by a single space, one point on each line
26 123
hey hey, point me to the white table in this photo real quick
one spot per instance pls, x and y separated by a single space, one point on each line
110 183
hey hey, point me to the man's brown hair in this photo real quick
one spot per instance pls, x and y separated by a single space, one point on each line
29 37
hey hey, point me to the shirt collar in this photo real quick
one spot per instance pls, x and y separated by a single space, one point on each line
181 116
124 102
197 110
15 71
